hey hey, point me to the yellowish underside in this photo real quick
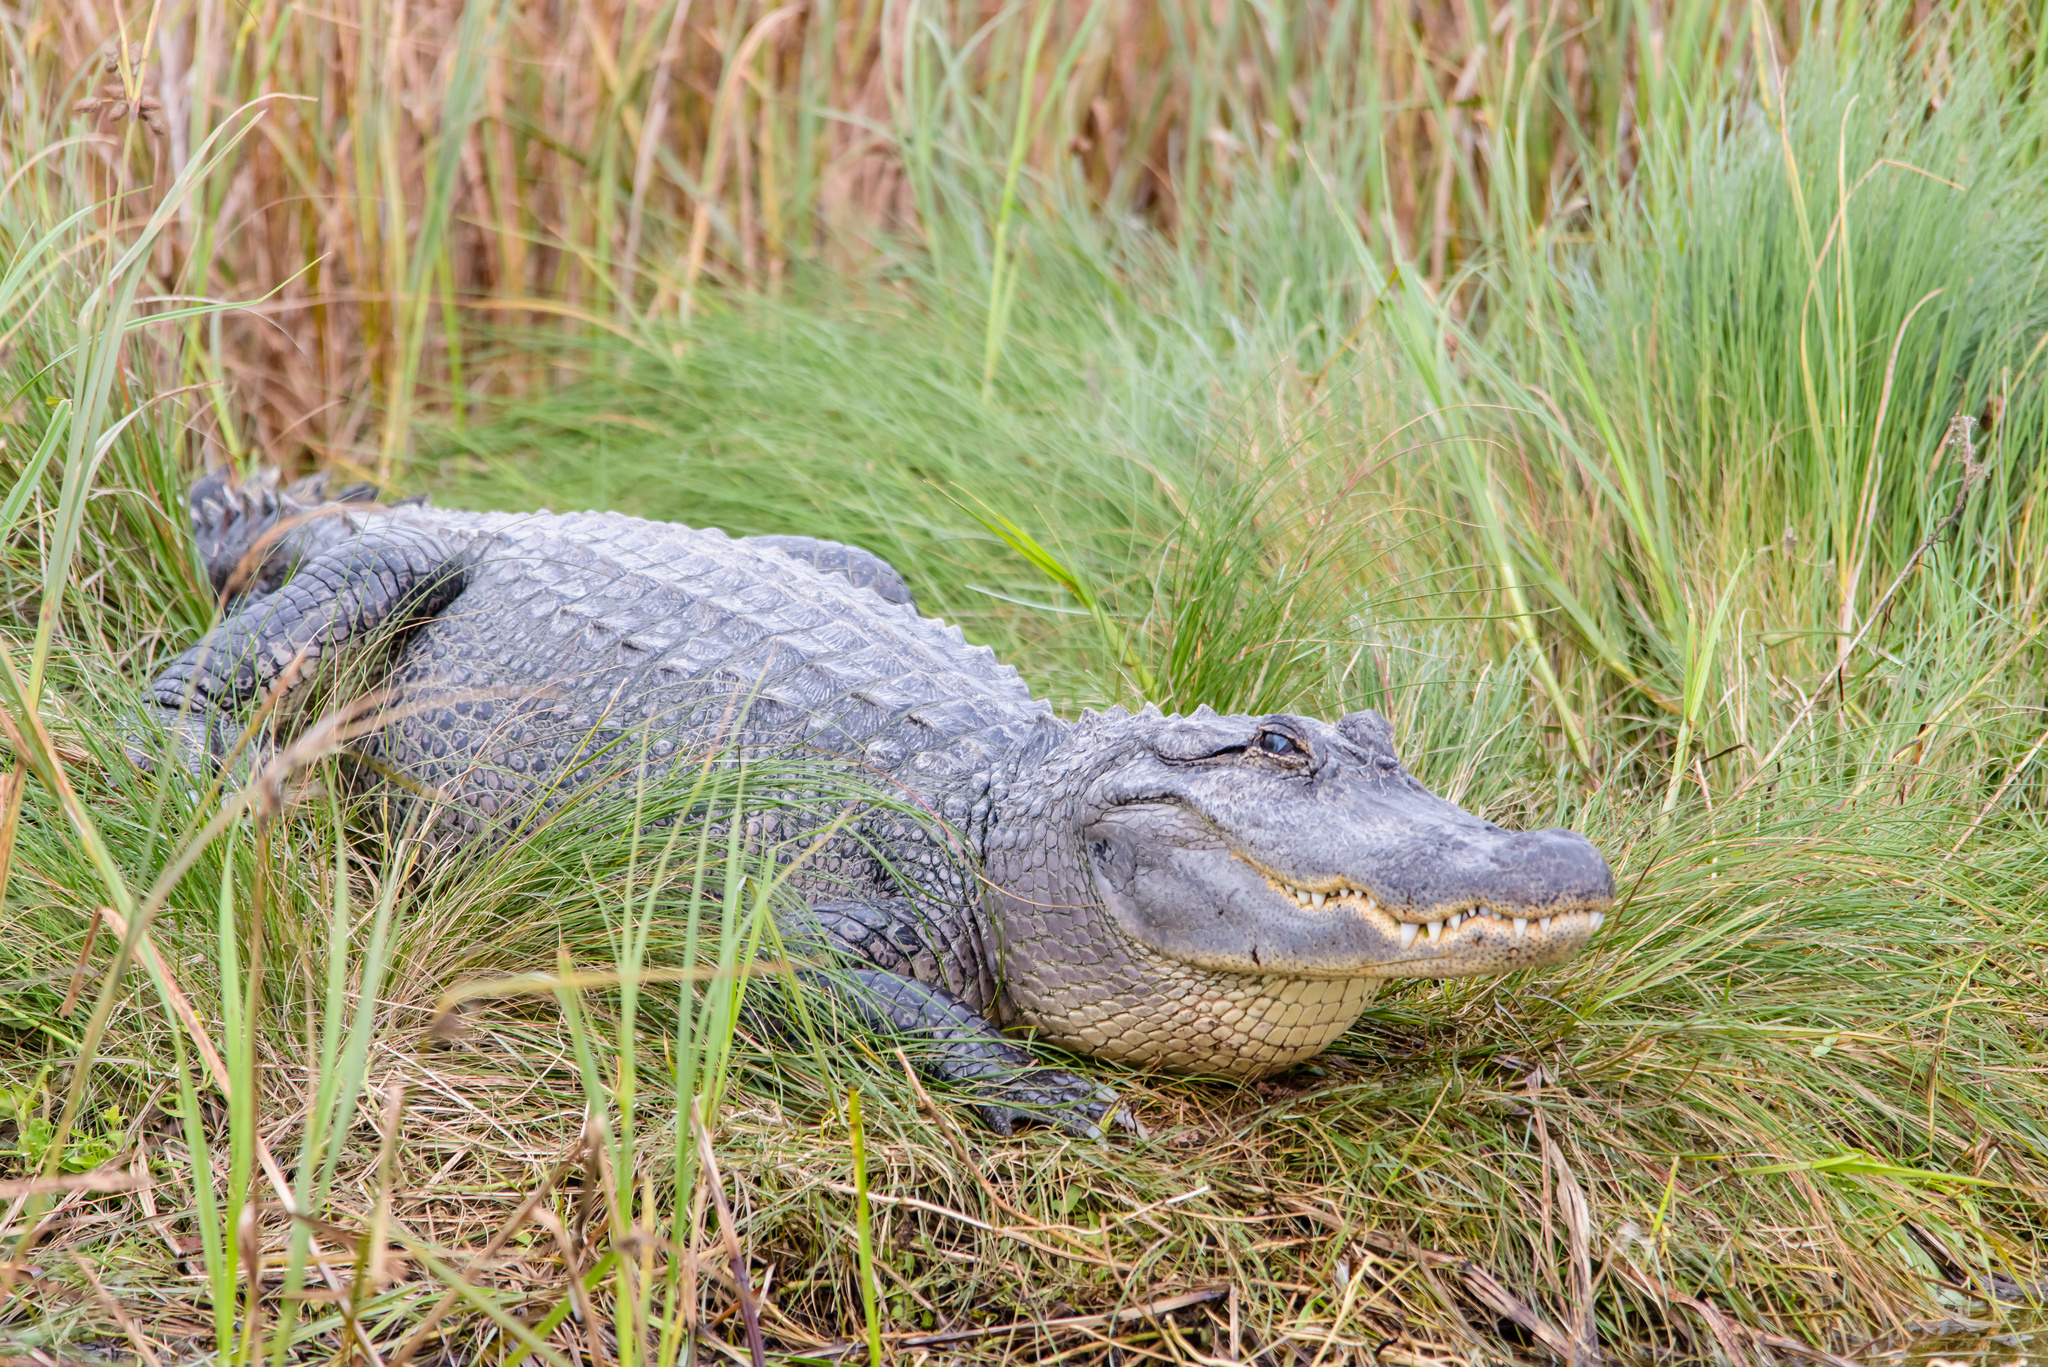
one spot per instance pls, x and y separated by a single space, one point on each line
1221 1024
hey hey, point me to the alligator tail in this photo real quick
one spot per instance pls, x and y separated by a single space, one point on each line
247 530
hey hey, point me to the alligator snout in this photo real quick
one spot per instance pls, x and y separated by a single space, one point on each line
1401 883
1464 865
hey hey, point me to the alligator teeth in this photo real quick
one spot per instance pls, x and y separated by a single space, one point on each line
1304 897
1521 925
1598 917
1454 920
1544 925
1436 931
1408 930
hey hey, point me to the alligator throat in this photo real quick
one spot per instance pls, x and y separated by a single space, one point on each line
1207 1022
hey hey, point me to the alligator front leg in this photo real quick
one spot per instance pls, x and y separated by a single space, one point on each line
345 599
942 1036
944 1039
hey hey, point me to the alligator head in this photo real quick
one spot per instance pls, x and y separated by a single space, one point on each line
1289 846
1279 859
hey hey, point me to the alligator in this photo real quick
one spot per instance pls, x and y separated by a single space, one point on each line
1206 894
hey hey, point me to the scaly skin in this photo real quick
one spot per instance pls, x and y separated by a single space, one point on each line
1207 894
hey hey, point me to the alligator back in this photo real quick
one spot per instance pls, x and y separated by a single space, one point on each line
587 646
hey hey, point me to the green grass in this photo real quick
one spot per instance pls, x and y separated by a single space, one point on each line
1603 519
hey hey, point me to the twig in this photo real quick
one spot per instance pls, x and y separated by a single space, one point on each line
143 1348
145 953
505 1231
92 937
1998 796
1727 1331
643 158
1164 1306
181 1006
881 1199
1571 1206
98 1180
1973 474
1485 1288
11 788
944 1124
750 1314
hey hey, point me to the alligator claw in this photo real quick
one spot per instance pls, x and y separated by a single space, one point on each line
1048 1096
193 744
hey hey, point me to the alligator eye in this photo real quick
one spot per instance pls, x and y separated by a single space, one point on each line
1274 743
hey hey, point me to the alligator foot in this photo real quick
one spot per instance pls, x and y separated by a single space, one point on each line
195 743
948 1042
1049 1096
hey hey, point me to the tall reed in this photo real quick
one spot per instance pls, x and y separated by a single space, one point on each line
444 168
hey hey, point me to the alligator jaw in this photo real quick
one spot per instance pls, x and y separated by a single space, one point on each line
1434 941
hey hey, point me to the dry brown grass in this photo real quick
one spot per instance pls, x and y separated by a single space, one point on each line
627 155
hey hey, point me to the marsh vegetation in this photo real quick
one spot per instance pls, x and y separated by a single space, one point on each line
1640 403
